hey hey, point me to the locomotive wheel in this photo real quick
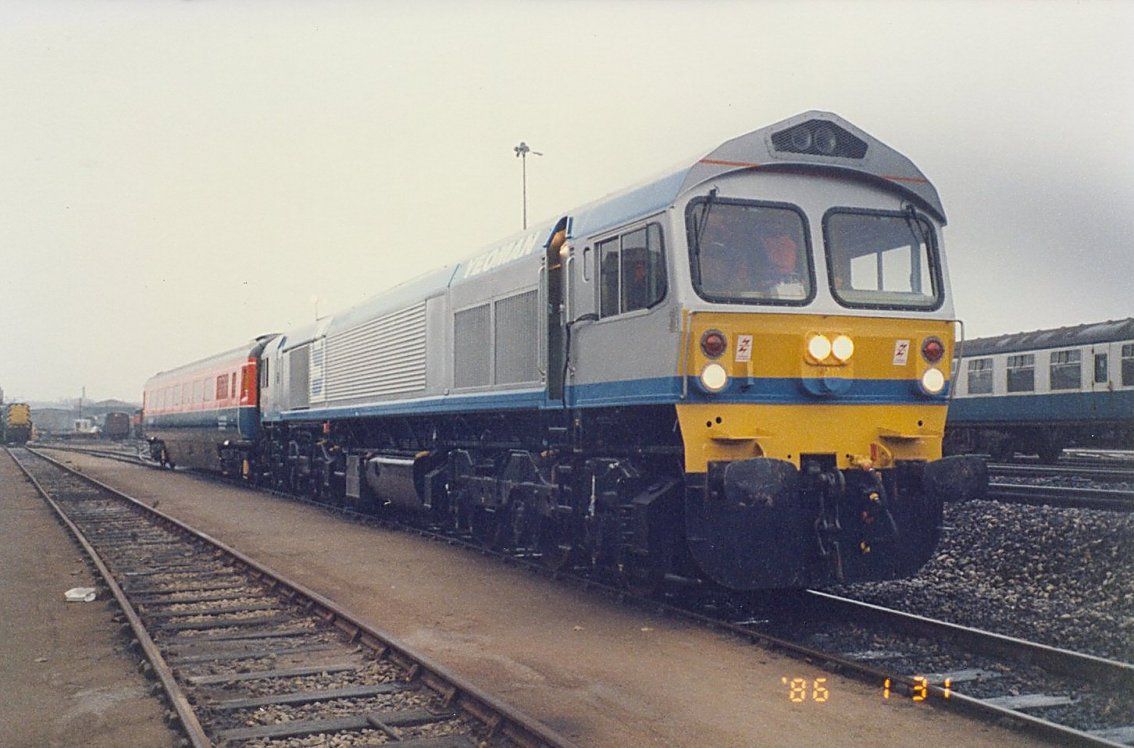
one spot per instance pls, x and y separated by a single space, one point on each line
490 528
554 542
460 513
641 577
1003 450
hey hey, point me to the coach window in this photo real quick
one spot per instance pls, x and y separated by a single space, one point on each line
882 260
1022 373
1128 365
980 376
1066 373
632 271
222 387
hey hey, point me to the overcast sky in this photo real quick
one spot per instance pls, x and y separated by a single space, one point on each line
177 177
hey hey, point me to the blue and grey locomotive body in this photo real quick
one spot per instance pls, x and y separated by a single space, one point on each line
737 372
1037 392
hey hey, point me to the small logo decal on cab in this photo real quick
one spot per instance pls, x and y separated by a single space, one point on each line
901 352
743 348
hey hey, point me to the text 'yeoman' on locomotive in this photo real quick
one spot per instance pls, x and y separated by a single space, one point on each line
736 372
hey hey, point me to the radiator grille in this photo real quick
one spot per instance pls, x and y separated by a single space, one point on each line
385 356
517 330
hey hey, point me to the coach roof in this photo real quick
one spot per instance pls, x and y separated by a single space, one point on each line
1059 337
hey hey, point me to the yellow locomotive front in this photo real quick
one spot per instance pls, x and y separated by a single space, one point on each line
815 364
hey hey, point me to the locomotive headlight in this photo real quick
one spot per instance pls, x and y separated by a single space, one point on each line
714 378
819 347
801 138
826 141
843 348
932 381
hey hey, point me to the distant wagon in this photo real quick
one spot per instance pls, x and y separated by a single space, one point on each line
116 425
85 428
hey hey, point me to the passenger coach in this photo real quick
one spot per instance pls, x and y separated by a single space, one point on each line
737 371
192 413
1038 392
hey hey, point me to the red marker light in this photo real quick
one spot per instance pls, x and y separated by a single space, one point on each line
932 349
713 344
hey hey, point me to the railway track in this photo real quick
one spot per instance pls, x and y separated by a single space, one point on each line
1073 697
1062 496
247 657
1012 679
1088 472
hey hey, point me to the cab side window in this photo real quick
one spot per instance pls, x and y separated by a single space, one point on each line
631 271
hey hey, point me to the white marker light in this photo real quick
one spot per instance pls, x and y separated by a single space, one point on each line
714 378
819 347
933 381
843 348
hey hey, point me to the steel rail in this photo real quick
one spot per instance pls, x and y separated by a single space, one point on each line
1091 473
455 689
941 698
1062 496
177 698
1053 659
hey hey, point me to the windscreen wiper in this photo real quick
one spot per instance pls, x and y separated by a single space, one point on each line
700 228
913 222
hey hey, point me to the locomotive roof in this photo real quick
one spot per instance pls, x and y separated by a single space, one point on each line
762 149
1059 337
765 150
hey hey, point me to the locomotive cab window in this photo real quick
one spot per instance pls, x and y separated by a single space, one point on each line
882 260
743 252
631 271
1128 365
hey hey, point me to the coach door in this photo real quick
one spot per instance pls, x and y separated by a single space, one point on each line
555 276
1100 370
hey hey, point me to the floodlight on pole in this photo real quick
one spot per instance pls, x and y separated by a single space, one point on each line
522 151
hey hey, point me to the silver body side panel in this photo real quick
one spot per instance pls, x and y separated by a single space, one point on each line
379 358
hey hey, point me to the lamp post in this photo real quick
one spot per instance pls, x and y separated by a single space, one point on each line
522 151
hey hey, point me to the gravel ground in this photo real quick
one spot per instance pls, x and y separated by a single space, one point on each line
1063 577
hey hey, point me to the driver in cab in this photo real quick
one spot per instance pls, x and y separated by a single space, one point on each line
743 256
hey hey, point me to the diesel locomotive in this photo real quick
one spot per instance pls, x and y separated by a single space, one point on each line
736 372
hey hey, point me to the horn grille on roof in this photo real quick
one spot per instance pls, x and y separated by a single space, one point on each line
820 138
